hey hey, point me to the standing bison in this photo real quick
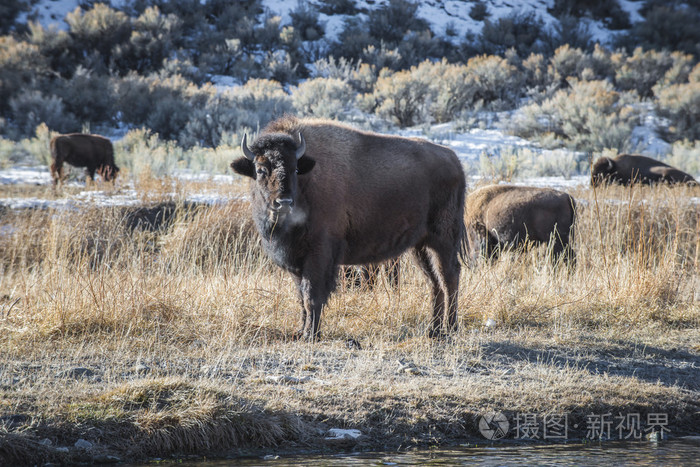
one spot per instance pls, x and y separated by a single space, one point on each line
325 194
628 168
510 216
93 152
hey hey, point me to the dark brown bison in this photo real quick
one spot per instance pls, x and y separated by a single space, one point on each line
93 152
510 216
628 168
326 194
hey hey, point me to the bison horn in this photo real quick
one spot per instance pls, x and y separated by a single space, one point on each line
610 164
302 146
246 150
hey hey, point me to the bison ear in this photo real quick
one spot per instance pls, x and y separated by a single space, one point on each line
244 166
305 164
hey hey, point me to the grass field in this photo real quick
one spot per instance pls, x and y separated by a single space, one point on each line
162 330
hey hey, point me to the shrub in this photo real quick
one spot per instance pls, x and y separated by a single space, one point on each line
150 43
404 97
211 121
393 20
609 11
518 31
589 116
643 70
88 97
361 76
323 97
680 103
686 156
569 30
338 7
305 20
667 27
99 29
142 152
30 108
9 9
479 11
258 102
55 45
20 64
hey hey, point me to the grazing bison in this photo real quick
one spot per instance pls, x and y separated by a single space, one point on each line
509 216
93 152
628 168
326 194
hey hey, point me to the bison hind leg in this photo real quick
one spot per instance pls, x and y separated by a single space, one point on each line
442 268
56 169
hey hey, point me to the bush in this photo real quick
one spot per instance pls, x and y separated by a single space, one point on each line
479 11
361 76
258 102
404 97
88 97
211 122
517 31
642 70
9 9
150 43
685 155
305 20
30 108
20 65
142 152
323 97
609 11
680 103
99 29
667 27
589 116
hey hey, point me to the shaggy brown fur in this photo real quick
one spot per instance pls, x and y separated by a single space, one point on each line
356 197
510 216
627 168
93 152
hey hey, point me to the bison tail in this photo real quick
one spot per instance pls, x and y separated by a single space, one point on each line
464 244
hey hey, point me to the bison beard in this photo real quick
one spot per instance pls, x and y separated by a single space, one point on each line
325 194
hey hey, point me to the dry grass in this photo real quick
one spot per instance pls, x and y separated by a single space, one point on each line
180 325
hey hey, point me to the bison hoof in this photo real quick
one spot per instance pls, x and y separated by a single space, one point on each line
436 334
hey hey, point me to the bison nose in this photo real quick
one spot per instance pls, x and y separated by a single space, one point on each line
283 204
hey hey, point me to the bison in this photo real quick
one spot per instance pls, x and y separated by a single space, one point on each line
510 216
93 152
325 194
628 168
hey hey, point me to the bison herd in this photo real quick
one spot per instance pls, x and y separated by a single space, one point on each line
325 195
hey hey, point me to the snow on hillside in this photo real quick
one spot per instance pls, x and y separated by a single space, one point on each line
442 15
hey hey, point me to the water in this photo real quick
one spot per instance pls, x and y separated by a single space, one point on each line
680 452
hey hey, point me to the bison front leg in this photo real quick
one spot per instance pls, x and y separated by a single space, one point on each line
317 283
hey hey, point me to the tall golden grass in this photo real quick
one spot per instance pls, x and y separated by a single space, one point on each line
194 299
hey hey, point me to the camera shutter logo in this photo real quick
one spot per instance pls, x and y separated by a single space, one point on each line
493 425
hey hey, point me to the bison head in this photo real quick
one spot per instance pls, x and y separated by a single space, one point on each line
604 169
275 161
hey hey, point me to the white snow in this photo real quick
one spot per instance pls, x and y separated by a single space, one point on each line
442 15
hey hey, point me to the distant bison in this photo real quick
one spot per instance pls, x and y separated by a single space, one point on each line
509 216
93 152
628 168
326 194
